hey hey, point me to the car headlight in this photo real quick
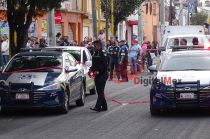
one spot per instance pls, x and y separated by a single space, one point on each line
54 86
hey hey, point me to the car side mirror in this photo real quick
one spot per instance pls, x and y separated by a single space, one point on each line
88 63
153 68
70 69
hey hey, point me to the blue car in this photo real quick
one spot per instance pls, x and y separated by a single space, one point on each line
41 79
181 81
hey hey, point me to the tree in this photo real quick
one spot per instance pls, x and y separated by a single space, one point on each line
199 18
122 9
20 14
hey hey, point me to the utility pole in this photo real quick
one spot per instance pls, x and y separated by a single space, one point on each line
51 28
140 25
171 19
162 21
107 20
94 19
112 13
181 13
99 14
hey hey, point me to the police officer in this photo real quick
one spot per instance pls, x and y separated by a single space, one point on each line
114 58
123 56
99 69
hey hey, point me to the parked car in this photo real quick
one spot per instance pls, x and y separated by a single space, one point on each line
40 79
84 60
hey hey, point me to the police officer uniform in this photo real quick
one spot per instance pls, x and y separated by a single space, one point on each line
100 66
123 55
114 60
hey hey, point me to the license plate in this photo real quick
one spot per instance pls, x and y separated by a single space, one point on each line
187 96
22 96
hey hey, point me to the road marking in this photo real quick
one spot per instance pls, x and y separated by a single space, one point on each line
125 103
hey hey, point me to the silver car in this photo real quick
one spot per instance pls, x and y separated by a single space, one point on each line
84 59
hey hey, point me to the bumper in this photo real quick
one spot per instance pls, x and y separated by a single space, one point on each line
168 101
37 100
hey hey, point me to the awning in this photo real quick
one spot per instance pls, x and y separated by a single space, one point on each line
132 22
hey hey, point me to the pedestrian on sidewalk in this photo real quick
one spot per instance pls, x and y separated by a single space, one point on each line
133 52
5 49
99 69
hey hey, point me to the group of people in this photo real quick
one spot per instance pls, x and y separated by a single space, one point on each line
120 55
34 42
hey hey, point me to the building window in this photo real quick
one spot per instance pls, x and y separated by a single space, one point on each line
154 9
147 8
150 8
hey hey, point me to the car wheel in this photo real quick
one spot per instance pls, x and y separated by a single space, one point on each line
153 111
81 101
93 91
65 107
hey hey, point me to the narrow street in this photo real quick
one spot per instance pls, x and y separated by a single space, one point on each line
128 117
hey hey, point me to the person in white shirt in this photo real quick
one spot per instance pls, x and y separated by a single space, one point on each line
5 50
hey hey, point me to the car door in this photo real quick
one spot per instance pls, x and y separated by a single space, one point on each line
90 82
77 77
70 77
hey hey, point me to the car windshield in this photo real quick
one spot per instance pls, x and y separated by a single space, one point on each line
76 54
35 64
186 62
186 41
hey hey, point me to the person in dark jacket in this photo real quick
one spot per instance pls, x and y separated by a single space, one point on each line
99 69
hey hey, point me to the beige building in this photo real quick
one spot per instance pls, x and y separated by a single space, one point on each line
88 22
151 20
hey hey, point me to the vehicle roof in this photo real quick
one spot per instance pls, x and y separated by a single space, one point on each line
38 53
67 47
188 35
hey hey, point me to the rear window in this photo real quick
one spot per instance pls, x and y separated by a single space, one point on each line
186 41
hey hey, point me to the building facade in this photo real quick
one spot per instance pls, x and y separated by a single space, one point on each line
151 20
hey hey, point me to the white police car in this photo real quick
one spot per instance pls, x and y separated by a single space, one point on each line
182 80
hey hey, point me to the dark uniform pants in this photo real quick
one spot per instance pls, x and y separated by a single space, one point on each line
100 83
114 66
123 70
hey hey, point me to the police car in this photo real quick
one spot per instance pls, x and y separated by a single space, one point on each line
41 79
182 80
84 61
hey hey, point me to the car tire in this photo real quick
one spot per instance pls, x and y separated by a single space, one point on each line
81 101
153 111
65 107
93 91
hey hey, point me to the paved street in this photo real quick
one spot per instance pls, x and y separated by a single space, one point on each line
128 117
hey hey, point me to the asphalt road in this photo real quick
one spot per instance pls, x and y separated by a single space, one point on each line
128 117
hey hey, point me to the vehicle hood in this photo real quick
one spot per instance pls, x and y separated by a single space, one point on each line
38 78
184 76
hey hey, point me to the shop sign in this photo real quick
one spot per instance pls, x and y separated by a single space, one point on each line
44 28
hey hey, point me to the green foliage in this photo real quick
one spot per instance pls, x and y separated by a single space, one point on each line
20 14
122 9
199 18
